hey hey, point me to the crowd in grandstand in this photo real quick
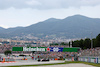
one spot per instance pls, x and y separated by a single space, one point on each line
91 52
86 52
9 47
56 54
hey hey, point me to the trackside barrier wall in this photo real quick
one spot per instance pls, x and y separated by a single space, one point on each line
6 59
69 59
99 60
89 59
1 59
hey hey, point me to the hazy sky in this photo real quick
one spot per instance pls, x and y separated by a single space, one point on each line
26 12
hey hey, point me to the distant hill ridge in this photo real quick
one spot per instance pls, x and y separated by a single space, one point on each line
76 26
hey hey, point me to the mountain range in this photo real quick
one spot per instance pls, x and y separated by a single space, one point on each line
76 26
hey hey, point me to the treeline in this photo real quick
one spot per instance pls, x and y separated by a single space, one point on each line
83 43
86 43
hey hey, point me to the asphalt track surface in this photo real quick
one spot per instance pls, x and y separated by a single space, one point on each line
17 63
65 65
49 62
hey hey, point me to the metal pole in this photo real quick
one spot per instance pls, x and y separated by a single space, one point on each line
70 43
91 41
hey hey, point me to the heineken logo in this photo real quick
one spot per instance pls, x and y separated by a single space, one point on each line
33 49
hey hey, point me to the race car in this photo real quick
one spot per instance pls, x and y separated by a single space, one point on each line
43 59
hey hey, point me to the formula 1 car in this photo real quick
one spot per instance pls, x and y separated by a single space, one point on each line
43 59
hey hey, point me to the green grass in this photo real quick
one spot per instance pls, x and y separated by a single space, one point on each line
66 62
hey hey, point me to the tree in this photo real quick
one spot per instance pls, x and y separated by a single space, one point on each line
98 41
87 43
81 44
63 43
94 42
84 44
7 52
29 45
75 43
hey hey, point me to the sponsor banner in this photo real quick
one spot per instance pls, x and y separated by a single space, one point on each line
17 48
51 49
70 49
56 49
90 59
28 48
99 60
96 60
